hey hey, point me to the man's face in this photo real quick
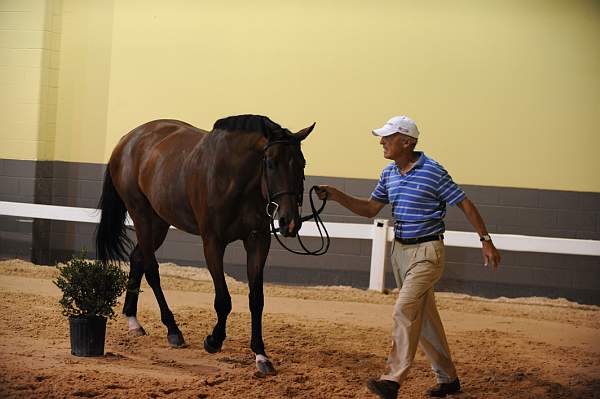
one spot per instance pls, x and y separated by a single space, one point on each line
395 145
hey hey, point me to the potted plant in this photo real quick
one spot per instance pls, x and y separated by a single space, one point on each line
90 291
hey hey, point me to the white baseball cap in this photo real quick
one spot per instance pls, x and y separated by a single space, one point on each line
398 124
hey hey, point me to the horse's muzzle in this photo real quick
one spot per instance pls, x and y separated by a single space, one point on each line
289 229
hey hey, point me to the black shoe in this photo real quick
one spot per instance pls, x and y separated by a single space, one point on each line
443 389
384 388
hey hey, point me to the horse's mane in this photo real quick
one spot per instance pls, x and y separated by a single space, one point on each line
251 123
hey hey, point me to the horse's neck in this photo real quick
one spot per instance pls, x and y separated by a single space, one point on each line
233 157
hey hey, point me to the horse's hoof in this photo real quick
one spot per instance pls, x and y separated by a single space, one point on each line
176 340
137 332
210 346
265 367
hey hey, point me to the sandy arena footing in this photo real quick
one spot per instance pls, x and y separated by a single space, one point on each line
325 342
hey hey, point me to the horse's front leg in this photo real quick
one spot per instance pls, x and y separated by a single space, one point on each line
213 252
257 247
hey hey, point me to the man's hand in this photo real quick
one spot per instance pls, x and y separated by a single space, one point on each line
490 255
325 192
363 207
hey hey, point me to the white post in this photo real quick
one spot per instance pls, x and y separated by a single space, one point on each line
378 255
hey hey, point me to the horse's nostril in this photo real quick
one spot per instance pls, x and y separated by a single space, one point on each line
282 223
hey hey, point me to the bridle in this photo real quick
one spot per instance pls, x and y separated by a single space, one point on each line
271 197
298 194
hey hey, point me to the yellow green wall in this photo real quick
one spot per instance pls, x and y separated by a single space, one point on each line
84 81
505 92
29 71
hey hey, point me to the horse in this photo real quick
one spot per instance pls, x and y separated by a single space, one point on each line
224 185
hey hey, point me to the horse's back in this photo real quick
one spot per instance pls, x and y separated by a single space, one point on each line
147 164
145 136
162 137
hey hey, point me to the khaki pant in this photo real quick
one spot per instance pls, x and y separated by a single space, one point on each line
416 319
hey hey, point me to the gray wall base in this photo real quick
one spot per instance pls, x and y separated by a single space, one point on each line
506 210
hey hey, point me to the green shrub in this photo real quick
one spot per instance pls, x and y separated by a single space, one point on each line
90 288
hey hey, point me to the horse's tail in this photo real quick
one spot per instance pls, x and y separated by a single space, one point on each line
112 242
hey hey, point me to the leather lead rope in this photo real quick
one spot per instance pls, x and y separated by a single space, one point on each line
325 240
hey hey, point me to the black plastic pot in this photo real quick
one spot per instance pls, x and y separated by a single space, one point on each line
87 335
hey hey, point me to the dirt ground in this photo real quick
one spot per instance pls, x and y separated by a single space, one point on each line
325 342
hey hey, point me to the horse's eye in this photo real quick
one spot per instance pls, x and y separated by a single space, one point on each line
270 164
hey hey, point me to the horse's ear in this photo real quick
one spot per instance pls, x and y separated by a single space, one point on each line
302 134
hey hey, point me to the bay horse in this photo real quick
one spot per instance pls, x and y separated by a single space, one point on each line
223 185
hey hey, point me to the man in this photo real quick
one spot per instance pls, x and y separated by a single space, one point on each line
419 189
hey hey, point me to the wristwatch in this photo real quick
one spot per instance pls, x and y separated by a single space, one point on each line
485 237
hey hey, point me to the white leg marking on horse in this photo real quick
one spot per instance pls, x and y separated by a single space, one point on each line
133 323
261 358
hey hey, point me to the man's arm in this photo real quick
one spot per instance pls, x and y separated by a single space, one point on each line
362 207
490 253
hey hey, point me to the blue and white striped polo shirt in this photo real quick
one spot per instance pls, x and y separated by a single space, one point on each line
419 198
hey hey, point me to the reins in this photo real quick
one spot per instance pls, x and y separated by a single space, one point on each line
325 241
315 213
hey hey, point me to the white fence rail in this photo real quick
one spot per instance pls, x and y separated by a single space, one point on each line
379 232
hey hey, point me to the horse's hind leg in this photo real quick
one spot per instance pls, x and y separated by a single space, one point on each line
257 247
151 232
213 253
136 272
